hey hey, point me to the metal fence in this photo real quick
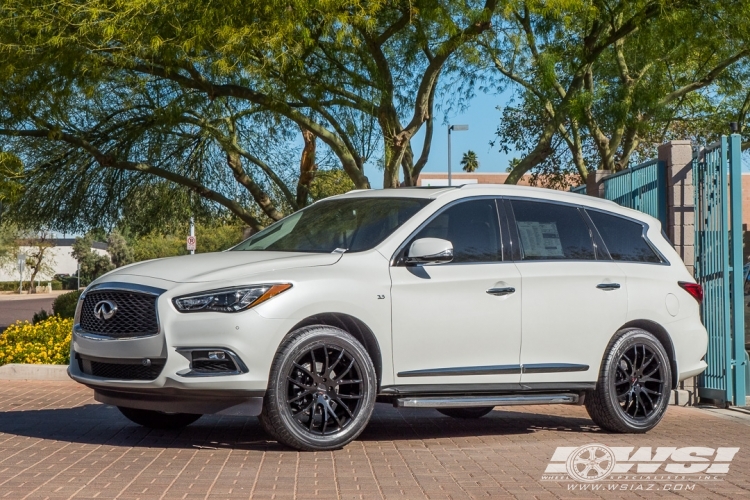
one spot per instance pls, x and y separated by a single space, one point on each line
717 177
642 187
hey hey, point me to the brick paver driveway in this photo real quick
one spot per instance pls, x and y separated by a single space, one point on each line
56 442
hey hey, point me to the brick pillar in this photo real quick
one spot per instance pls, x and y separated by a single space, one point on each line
678 157
594 184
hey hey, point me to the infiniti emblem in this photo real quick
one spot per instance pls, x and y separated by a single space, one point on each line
105 309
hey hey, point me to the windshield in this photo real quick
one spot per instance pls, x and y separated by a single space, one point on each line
351 224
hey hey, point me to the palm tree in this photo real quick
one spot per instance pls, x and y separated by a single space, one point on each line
470 162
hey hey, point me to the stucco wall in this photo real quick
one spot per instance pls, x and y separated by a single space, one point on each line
58 257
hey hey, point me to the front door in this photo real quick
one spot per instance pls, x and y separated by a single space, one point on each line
451 325
574 296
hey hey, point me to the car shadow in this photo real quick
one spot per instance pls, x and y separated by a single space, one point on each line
102 424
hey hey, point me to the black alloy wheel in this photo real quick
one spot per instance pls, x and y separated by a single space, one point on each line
321 389
325 389
634 385
639 382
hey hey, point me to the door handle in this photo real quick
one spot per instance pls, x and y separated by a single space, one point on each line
499 292
608 286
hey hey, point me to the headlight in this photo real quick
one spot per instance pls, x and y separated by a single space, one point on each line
229 299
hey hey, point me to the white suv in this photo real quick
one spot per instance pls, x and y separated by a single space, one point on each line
459 299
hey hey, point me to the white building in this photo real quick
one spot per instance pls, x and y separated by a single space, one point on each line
59 258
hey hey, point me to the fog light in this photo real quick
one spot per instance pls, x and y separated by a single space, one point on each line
217 355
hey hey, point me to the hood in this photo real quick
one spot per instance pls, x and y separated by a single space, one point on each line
223 266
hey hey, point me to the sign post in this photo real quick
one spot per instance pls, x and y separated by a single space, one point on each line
191 242
21 269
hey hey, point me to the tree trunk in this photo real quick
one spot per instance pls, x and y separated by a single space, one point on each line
307 168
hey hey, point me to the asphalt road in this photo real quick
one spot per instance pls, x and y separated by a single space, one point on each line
14 310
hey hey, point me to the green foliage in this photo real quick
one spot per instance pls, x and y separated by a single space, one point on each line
92 264
64 305
329 183
597 88
119 251
39 317
214 237
109 103
46 342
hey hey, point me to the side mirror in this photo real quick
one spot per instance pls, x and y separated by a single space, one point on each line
430 251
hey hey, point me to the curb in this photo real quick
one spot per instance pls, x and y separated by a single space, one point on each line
18 371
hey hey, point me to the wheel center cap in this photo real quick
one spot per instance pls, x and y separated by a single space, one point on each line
322 389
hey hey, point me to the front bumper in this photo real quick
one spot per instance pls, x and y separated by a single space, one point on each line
253 338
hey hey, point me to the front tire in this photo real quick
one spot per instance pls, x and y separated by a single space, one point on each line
157 419
466 413
634 385
321 390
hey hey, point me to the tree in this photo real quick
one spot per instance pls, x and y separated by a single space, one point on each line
594 83
38 257
120 252
470 162
112 94
92 264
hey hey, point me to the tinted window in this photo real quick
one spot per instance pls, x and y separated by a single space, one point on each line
351 224
551 231
472 227
624 238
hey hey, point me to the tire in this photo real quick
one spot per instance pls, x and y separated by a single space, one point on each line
321 390
634 385
476 412
157 419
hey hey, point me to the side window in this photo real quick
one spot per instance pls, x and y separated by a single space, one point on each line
550 231
472 227
623 237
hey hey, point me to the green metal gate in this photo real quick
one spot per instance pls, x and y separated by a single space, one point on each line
642 187
717 177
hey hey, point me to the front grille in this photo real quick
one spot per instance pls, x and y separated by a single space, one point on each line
121 371
135 316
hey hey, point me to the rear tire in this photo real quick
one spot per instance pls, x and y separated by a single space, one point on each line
321 390
634 385
157 419
475 412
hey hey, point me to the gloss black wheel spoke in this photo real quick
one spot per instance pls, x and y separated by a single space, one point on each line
335 363
303 370
303 410
298 383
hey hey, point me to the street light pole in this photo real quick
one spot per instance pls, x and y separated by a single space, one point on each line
457 128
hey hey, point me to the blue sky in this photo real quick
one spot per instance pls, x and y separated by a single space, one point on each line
482 117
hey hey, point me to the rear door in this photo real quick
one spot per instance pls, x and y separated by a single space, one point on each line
574 296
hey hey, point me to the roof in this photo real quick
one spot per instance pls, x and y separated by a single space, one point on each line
468 190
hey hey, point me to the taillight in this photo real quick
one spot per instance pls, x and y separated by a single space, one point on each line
693 289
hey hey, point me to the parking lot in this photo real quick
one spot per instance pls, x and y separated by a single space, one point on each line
57 442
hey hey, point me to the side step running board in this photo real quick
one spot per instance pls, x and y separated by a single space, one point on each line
472 401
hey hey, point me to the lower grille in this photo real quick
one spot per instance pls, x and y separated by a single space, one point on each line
121 371
214 366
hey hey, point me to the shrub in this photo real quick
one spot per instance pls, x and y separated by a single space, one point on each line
47 342
39 316
65 304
